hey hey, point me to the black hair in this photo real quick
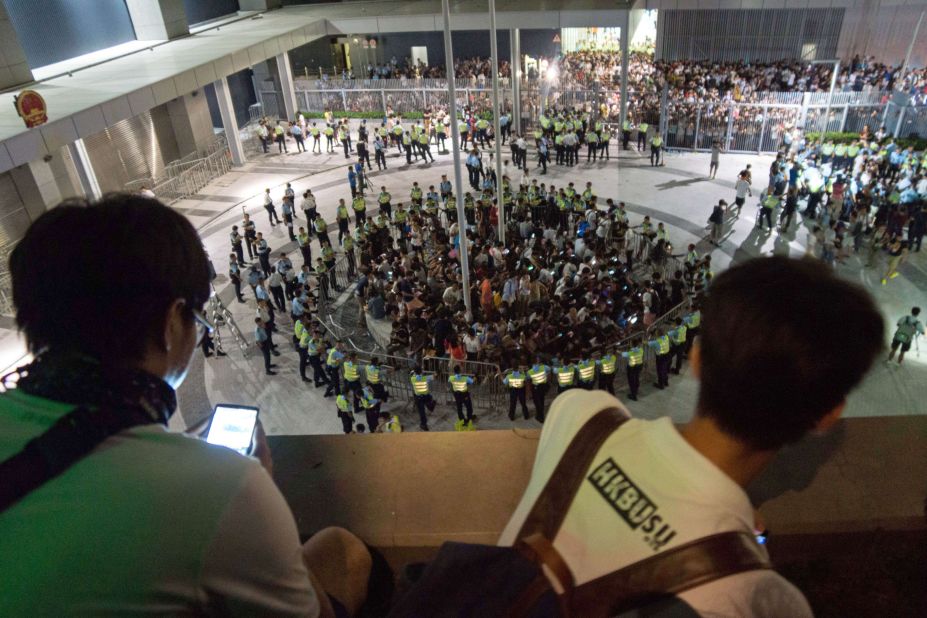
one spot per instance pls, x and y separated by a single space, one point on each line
98 278
916 311
783 342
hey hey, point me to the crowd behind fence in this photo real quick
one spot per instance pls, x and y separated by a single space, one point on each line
750 125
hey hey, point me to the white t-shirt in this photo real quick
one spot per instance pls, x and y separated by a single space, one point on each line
649 490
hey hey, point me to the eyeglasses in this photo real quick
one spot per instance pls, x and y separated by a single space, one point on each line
202 324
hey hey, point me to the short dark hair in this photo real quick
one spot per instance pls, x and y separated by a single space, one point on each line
782 343
97 278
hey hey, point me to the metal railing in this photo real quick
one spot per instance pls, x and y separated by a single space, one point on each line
753 123
186 177
487 392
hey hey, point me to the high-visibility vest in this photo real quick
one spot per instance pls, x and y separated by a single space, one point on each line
341 213
635 357
609 364
625 126
350 371
853 150
419 384
827 149
538 374
312 346
680 334
392 425
694 319
663 345
586 370
516 379
331 361
320 225
406 140
642 127
564 375
459 383
342 402
657 141
373 374
397 130
358 204
462 127
840 150
384 198
368 401
304 339
298 329
416 193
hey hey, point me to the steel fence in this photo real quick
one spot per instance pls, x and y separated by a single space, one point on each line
185 177
753 123
487 392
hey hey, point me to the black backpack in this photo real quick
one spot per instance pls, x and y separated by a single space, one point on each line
488 581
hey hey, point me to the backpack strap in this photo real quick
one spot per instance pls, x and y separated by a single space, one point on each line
551 506
670 572
71 438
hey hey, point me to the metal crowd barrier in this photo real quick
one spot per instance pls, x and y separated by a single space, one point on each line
187 176
487 392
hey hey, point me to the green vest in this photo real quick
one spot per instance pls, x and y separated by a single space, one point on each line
358 204
586 370
564 375
609 364
384 198
538 374
459 383
516 379
642 127
680 335
343 404
419 384
657 141
635 357
350 372
663 345
373 374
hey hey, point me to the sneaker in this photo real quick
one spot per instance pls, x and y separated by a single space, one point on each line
221 353
511 416
893 275
470 425
459 425
270 372
424 427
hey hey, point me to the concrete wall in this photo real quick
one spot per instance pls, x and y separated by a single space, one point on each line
415 490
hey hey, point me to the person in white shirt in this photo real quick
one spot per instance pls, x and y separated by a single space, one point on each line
652 487
742 190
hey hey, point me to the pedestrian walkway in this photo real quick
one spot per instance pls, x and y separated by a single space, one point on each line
678 194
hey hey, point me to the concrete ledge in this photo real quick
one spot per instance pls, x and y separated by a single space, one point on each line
416 490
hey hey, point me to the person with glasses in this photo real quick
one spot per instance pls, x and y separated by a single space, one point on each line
187 526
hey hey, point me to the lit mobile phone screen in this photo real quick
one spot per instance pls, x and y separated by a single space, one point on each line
232 426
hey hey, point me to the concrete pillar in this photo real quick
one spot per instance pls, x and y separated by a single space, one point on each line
191 122
287 89
515 40
44 183
227 110
158 20
259 5
14 68
89 184
625 45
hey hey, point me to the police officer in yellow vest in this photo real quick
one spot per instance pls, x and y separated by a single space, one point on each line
539 374
301 336
384 200
642 135
656 148
566 376
586 370
372 373
693 322
677 338
608 365
352 383
389 424
661 346
344 413
421 392
625 134
333 366
515 379
371 407
635 359
314 347
360 210
460 386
